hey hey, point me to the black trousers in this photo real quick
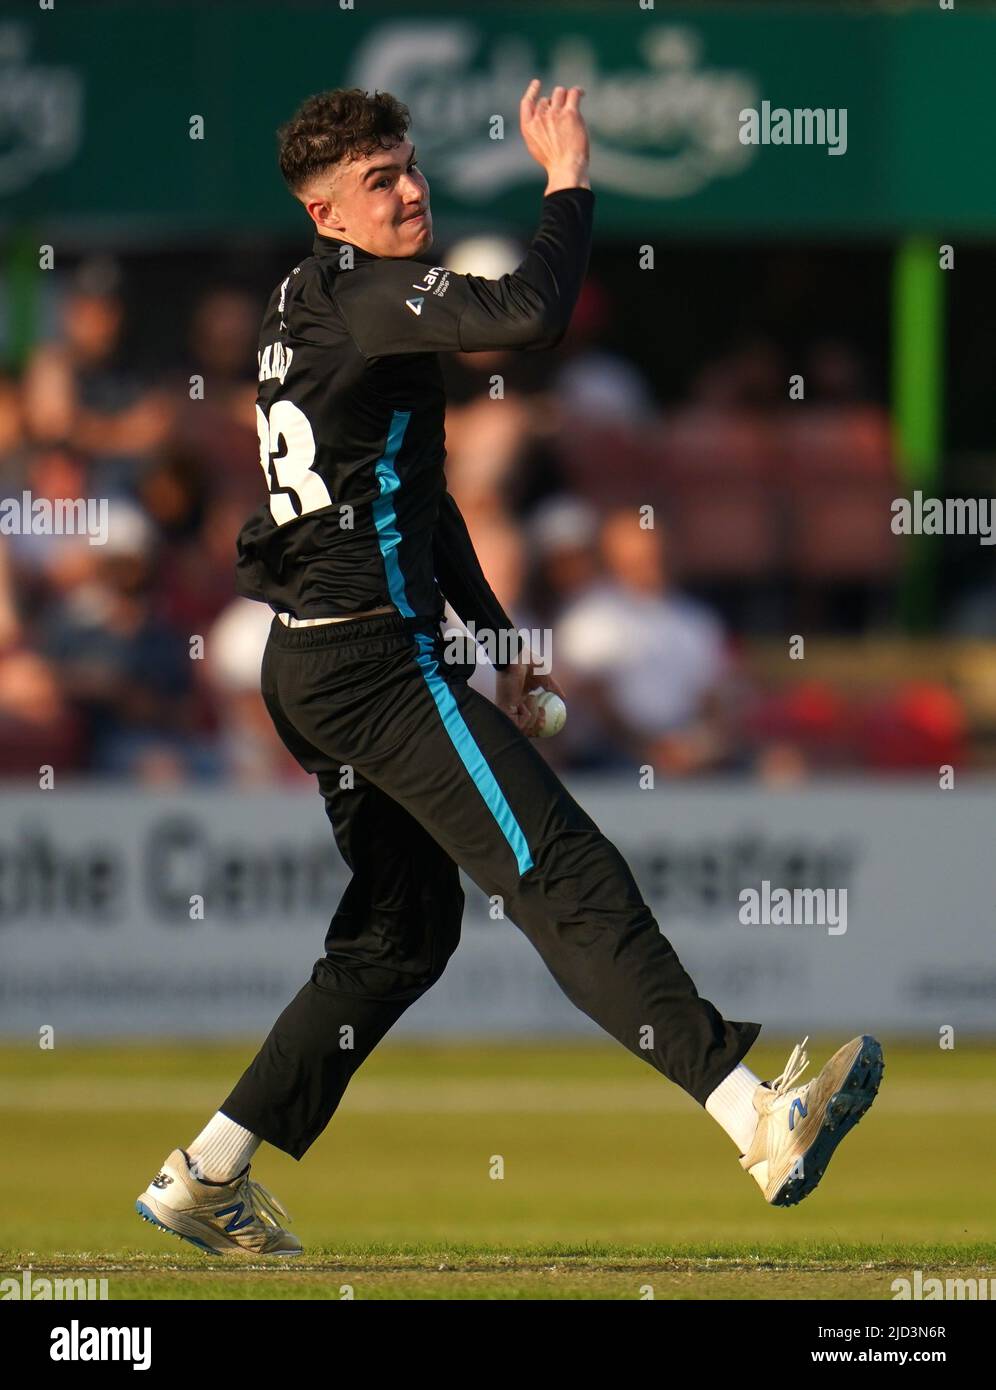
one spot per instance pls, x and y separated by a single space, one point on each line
421 774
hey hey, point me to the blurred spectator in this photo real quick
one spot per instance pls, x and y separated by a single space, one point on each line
173 490
78 389
45 566
807 727
224 334
752 375
921 725
562 533
218 421
563 549
195 578
651 662
250 748
485 443
594 384
835 374
10 623
813 727
127 672
37 726
12 425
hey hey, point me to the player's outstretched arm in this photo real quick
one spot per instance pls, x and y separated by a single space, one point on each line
401 306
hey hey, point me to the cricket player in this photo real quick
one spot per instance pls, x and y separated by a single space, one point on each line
356 548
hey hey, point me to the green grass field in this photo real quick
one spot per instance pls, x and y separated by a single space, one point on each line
614 1180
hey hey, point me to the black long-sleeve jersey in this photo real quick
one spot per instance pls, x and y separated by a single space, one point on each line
350 412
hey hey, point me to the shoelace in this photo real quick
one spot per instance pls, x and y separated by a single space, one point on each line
794 1067
262 1203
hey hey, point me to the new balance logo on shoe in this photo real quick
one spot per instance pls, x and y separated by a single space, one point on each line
235 1211
798 1110
163 1180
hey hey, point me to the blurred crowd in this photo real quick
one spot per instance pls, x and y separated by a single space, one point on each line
651 542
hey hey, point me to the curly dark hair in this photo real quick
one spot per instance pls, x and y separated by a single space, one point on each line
330 127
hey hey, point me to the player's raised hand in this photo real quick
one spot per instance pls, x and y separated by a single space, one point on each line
555 133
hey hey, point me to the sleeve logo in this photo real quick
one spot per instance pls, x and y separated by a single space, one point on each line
438 276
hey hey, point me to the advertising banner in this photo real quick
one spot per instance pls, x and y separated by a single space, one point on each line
831 908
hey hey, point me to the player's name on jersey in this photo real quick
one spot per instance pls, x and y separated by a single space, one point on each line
274 361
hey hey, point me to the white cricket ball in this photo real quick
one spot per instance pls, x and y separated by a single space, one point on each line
554 709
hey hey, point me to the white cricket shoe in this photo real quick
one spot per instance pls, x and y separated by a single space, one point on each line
799 1127
236 1218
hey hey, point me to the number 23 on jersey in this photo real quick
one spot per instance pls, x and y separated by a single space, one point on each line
287 456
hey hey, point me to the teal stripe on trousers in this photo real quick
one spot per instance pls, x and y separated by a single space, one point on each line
389 539
471 756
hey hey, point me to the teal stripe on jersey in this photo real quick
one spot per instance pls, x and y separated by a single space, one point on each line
385 518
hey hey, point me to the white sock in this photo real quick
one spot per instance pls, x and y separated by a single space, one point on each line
222 1150
731 1104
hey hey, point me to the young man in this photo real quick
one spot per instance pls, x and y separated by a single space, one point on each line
355 549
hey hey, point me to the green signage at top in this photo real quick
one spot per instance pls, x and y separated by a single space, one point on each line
733 120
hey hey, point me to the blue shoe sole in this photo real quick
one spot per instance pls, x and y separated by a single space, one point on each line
147 1215
844 1109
